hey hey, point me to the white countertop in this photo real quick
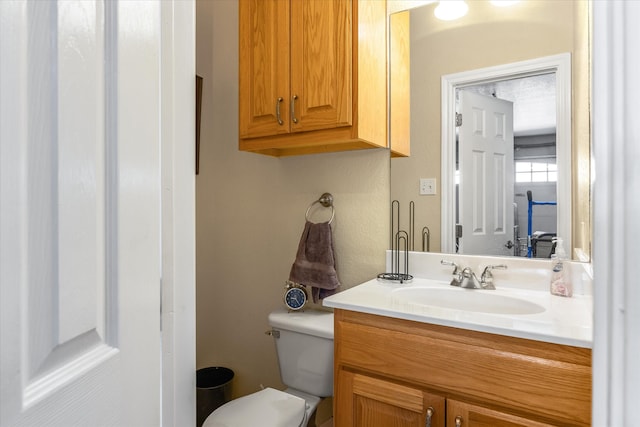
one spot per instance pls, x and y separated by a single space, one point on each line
567 321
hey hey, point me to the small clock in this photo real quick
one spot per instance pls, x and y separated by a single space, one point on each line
295 296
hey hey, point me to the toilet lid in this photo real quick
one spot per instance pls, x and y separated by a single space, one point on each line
267 408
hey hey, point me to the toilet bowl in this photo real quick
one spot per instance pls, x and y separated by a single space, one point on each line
304 345
266 407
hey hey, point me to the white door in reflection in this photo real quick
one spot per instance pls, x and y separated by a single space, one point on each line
485 162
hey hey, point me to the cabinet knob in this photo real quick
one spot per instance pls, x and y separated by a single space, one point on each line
430 412
293 109
458 421
280 122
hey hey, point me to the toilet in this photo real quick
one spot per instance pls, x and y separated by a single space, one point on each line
304 345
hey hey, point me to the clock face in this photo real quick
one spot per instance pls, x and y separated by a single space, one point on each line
295 298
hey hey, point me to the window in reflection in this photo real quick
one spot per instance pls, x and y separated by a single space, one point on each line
536 172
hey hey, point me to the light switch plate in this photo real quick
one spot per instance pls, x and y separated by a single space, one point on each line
427 186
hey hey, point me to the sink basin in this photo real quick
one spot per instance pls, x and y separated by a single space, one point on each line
479 301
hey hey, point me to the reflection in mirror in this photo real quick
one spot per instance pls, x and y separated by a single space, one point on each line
531 149
489 37
526 103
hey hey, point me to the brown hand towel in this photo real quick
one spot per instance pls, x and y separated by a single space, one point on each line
315 262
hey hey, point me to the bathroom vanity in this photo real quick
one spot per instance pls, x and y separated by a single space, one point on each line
405 361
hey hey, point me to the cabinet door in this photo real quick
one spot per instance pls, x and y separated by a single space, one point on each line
371 402
264 67
321 64
460 414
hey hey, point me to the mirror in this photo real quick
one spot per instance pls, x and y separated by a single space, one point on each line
487 37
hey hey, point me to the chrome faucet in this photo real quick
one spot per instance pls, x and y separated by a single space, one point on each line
469 279
466 278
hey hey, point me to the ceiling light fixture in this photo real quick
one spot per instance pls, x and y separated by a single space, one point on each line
448 10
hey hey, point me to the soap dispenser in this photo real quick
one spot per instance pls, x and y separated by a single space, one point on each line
560 276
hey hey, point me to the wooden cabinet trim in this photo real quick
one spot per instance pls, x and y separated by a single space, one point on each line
399 81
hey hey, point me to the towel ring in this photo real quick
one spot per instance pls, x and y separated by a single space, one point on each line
325 200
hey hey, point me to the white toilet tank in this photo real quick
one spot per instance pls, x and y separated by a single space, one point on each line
305 350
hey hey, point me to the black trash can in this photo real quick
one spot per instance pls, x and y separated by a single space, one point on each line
213 390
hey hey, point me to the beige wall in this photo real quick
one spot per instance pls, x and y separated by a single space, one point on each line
490 36
250 214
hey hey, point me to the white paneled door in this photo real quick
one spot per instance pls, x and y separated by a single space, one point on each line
485 153
80 213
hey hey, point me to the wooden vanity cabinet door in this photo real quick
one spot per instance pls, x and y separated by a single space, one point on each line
460 414
373 402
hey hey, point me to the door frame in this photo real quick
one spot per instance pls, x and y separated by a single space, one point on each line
177 62
559 64
615 202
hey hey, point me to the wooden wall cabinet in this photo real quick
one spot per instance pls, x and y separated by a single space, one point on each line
393 372
312 76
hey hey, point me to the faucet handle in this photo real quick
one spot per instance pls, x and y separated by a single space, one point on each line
488 268
456 267
486 280
457 272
